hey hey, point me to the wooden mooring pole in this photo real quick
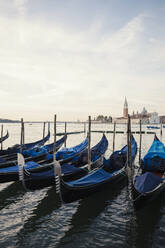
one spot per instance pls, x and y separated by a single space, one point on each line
48 126
114 132
1 136
22 136
161 130
65 134
43 129
84 127
89 143
54 153
140 142
128 142
130 147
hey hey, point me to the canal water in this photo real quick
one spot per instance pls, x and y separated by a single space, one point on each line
106 219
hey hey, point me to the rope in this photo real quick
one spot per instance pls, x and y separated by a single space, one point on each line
57 182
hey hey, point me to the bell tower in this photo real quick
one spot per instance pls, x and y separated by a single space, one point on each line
125 110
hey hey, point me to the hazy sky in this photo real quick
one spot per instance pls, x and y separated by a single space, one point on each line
81 57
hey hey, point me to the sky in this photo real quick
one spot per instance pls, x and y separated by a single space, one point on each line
76 58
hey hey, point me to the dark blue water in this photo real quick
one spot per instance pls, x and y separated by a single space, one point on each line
106 219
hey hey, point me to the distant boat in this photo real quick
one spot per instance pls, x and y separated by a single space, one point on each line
153 127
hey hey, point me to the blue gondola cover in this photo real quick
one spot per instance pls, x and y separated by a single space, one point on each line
155 158
93 178
147 182
65 152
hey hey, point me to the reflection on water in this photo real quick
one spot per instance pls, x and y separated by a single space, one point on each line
87 211
10 193
105 219
141 225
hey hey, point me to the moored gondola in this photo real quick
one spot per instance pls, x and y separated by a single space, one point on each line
12 151
149 182
36 154
44 177
112 171
11 173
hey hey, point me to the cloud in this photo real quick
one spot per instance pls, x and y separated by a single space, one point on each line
20 6
47 67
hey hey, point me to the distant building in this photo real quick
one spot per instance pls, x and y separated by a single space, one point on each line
144 112
162 118
102 119
154 118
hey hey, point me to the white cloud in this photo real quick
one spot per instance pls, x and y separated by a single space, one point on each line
20 6
47 67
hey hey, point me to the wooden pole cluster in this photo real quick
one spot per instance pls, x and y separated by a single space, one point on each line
1 136
114 132
89 143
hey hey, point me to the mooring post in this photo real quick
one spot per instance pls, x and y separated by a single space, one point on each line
48 126
22 134
84 127
1 136
43 129
55 119
140 142
57 166
128 141
65 134
161 130
89 143
114 132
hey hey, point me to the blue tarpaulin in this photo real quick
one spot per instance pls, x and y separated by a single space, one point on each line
147 182
65 152
155 157
93 178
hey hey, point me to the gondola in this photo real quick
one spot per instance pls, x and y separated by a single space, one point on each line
66 154
111 172
149 182
36 154
16 148
44 177
4 137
